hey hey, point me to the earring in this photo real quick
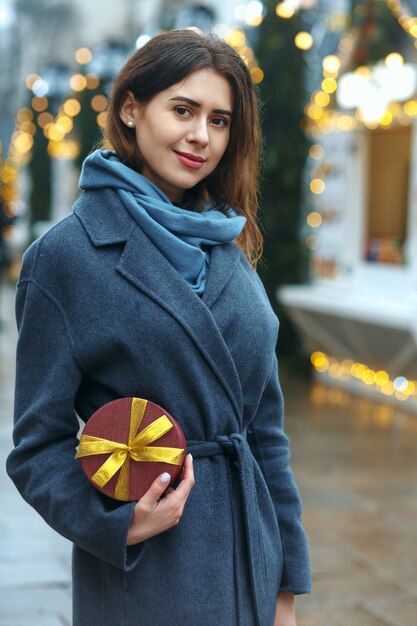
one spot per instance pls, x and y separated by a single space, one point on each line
130 123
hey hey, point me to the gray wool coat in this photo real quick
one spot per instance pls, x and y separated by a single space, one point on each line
103 315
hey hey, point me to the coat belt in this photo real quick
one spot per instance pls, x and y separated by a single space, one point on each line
236 448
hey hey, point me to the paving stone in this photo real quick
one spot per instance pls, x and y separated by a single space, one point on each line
39 606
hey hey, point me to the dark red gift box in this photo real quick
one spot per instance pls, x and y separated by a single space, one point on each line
128 443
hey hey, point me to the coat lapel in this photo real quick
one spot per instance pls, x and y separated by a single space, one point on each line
107 222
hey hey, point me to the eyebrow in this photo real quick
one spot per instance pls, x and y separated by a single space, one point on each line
197 104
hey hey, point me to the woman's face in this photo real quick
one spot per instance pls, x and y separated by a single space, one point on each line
183 131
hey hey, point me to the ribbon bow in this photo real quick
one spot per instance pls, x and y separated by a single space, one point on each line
137 448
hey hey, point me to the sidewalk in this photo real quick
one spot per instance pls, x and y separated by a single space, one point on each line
356 466
35 568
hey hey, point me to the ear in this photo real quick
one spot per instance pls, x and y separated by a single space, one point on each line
129 109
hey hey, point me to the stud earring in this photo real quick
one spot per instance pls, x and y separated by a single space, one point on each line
130 123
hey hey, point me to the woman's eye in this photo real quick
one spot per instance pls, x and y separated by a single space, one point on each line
219 121
182 111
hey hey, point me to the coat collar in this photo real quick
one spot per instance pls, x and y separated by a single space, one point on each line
107 222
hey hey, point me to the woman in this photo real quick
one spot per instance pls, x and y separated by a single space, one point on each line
142 291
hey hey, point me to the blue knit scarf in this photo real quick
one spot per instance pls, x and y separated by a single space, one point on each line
183 237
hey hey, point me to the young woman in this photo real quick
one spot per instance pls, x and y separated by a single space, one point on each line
148 289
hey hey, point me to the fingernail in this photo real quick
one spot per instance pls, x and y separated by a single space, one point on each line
191 456
165 477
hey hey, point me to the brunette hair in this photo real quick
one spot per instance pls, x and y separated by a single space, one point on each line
166 60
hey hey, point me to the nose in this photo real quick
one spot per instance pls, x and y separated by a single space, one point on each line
199 132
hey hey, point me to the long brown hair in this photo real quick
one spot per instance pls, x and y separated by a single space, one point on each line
165 61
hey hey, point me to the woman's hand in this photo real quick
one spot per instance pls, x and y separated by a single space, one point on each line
285 610
153 513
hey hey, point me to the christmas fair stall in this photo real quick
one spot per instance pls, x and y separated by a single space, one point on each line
358 315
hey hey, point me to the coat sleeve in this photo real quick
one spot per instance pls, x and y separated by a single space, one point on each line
270 447
42 464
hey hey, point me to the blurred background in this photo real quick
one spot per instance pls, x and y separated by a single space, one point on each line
338 83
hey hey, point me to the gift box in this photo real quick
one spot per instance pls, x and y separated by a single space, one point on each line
127 443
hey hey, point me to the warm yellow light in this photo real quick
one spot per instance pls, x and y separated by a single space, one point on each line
358 369
44 119
386 118
23 143
78 82
235 38
63 149
255 20
93 81
83 56
381 377
99 103
388 388
347 365
411 387
363 70
31 80
9 194
71 107
317 186
28 127
320 361
284 10
370 124
303 40
314 219
317 355
413 30
345 122
322 99
410 107
257 75
316 151
334 370
329 85
101 119
314 112
24 115
331 64
8 175
394 60
65 122
39 103
54 132
368 377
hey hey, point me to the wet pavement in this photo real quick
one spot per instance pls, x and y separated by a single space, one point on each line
356 466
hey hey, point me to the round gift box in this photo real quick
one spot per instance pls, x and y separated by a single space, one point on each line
112 422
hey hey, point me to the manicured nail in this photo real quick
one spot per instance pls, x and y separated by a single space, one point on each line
191 456
165 477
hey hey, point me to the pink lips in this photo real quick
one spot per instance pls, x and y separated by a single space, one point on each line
190 160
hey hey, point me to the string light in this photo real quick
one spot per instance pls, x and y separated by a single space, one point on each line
285 10
236 38
400 387
317 186
303 40
83 56
407 23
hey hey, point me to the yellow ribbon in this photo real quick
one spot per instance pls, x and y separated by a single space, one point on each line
136 448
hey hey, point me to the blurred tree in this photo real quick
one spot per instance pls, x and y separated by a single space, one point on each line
378 33
89 133
40 174
283 95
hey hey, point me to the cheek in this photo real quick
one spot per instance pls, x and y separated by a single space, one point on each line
221 146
